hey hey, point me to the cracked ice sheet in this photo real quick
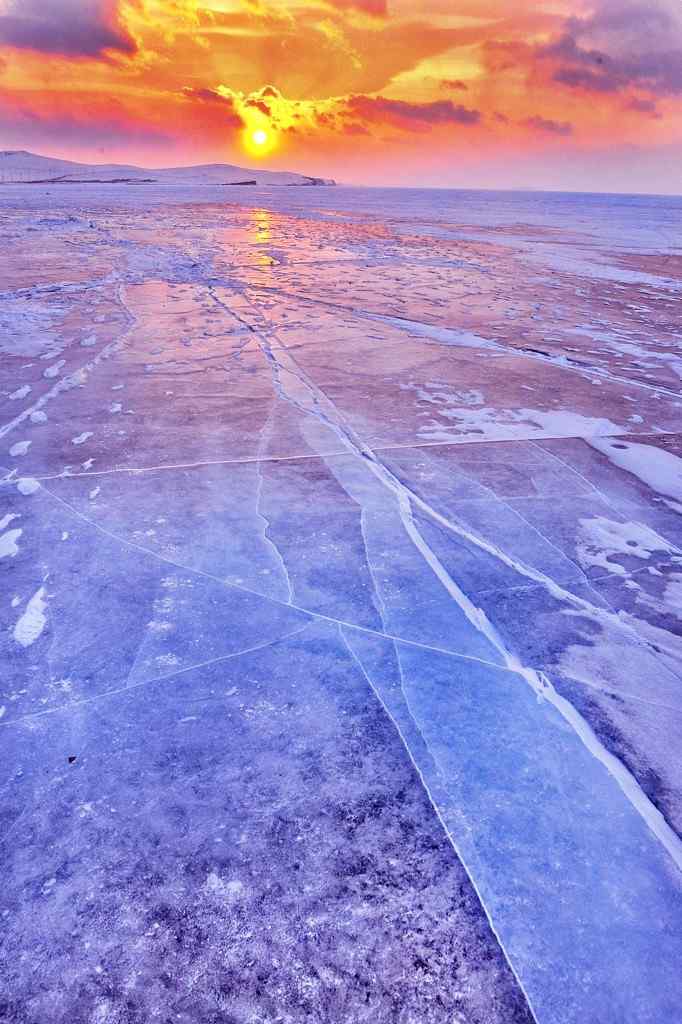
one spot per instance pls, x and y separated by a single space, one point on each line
176 382
638 327
473 395
117 616
448 569
397 386
506 770
576 632
252 818
205 286
48 337
322 531
138 420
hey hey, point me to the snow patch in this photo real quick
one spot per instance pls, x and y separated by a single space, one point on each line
658 468
229 890
27 485
488 423
6 520
8 543
601 539
32 622
53 370
20 448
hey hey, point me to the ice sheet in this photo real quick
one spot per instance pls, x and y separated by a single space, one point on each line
342 627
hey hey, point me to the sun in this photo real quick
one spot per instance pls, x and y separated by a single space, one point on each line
258 140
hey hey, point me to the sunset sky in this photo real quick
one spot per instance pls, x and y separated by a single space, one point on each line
583 94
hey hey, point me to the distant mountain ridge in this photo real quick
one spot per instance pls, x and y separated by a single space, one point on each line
20 166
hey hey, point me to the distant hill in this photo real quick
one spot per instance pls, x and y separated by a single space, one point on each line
30 168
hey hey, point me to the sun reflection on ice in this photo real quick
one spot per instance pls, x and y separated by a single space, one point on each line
261 234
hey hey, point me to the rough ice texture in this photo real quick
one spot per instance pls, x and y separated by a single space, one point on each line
341 648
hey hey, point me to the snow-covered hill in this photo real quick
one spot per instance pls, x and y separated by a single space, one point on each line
21 166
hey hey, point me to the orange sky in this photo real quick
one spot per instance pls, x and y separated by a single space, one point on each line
555 93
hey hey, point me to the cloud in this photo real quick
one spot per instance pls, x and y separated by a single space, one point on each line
642 106
353 114
619 46
334 77
354 128
74 28
239 110
377 8
413 116
614 51
256 103
229 112
23 124
547 126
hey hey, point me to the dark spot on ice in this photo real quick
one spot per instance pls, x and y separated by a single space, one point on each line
623 446
72 758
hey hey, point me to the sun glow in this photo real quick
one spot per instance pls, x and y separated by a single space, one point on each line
258 140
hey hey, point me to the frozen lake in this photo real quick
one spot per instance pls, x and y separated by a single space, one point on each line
341 560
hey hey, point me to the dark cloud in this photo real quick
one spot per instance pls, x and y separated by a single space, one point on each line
228 109
207 95
261 99
549 127
620 46
75 28
642 106
417 115
454 83
258 104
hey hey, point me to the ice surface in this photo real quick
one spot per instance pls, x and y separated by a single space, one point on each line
342 624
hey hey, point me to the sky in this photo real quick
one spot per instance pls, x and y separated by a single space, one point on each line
569 94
